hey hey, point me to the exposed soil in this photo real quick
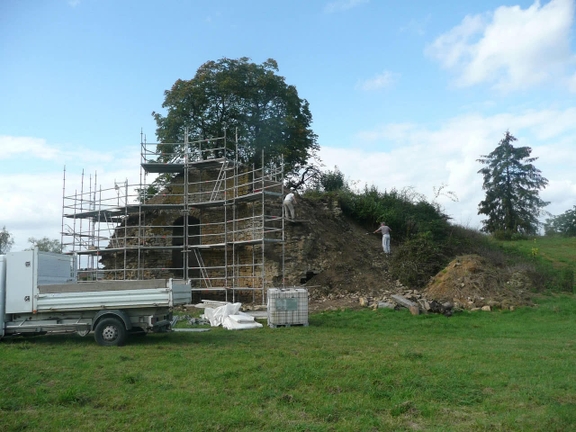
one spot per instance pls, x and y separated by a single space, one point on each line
339 261
343 266
470 281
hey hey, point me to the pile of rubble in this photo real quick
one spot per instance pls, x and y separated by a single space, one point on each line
471 282
468 283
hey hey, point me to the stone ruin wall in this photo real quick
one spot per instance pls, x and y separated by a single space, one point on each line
155 228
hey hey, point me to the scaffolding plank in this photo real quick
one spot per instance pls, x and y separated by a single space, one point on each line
113 215
161 168
207 246
256 241
98 214
205 204
154 206
127 248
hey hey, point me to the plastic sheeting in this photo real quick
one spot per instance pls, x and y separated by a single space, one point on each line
230 317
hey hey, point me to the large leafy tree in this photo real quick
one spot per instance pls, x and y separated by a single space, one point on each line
242 99
45 244
512 184
6 241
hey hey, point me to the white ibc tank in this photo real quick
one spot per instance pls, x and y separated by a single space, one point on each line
287 307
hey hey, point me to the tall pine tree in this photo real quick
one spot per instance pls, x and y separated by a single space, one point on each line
512 184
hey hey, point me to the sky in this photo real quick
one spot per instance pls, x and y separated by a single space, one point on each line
404 95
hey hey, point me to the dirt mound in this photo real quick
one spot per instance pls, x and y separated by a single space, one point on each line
470 281
337 260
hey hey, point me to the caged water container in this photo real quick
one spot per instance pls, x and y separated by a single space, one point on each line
287 307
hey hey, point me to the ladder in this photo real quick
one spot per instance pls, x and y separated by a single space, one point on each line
219 180
202 267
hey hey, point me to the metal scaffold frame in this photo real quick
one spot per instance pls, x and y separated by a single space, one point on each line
211 221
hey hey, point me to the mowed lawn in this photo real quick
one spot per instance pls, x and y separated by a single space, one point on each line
347 371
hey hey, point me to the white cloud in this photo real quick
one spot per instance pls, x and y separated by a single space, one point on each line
31 199
511 48
383 80
26 146
425 158
343 5
17 149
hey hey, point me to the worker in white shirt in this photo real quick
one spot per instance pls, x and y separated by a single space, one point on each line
289 201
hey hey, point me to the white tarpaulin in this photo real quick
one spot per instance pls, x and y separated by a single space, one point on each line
230 317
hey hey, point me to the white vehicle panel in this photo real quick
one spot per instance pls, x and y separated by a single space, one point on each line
20 274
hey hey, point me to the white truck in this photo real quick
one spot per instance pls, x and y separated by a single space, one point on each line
40 293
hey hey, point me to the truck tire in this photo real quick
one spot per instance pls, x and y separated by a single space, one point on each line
110 332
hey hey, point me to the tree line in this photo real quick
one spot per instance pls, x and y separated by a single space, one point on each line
44 244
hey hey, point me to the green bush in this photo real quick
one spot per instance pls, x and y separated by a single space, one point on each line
427 240
416 260
405 212
332 180
502 235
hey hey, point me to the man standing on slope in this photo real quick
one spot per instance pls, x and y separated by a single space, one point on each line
289 202
385 230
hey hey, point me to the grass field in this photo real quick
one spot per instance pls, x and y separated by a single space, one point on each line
348 371
559 251
553 255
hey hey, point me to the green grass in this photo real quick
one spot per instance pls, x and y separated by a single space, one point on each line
558 251
348 371
555 256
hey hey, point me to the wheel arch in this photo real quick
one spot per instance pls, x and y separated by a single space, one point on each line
122 315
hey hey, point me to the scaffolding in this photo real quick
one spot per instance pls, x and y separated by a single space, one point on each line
214 220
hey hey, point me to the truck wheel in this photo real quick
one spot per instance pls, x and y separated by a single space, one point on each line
110 332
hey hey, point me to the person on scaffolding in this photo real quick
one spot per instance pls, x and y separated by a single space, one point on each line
289 202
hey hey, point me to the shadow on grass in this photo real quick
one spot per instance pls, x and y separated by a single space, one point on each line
213 336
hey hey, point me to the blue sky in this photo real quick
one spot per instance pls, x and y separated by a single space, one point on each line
403 94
